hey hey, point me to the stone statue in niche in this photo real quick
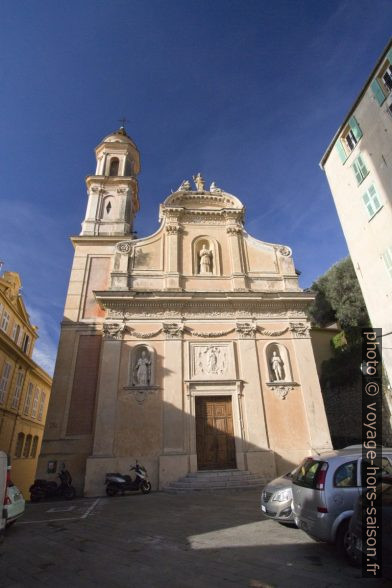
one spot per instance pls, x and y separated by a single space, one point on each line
142 369
277 367
205 260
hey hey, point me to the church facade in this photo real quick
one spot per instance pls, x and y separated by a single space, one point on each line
188 349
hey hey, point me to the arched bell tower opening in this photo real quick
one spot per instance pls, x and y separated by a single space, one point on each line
112 192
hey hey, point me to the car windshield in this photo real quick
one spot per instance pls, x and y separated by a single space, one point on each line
306 473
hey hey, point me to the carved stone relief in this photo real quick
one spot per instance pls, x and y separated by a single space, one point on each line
212 361
299 330
173 330
114 330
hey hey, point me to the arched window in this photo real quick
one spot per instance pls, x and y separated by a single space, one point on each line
19 445
27 446
34 447
114 164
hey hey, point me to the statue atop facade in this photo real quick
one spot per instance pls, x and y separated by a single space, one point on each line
142 369
214 188
277 366
199 182
185 186
205 260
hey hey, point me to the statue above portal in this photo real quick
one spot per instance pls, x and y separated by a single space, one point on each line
199 182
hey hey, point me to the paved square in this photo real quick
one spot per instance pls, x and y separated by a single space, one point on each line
183 541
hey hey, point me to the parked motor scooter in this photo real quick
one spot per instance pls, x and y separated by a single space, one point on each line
46 489
116 482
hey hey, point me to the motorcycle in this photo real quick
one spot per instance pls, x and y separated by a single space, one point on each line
46 489
116 482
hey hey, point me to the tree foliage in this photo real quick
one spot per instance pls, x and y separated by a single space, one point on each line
339 298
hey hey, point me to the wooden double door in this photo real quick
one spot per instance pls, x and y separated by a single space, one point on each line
215 443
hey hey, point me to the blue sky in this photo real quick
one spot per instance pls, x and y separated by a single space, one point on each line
249 92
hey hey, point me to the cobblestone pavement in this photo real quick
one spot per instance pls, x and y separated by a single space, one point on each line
180 541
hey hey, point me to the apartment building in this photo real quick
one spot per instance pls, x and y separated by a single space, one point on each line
24 385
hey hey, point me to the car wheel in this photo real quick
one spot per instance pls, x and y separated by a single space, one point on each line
341 534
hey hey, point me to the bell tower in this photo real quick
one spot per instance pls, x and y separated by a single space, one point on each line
113 194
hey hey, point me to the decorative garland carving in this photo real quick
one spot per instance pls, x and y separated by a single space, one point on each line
145 335
209 334
264 331
236 230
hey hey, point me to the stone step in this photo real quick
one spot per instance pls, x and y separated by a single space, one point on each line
210 480
220 473
222 479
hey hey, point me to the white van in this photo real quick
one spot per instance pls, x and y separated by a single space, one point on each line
3 488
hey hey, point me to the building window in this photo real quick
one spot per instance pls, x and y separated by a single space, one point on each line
387 78
360 169
29 394
18 389
34 447
372 201
41 406
5 321
27 446
15 332
5 376
381 86
348 139
25 345
387 255
19 445
35 403
114 164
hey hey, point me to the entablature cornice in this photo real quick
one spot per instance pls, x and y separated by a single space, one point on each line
186 307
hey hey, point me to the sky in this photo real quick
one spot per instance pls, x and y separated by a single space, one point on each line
249 92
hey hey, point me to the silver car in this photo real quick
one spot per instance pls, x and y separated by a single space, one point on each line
276 499
325 489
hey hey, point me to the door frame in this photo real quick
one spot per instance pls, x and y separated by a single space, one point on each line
234 390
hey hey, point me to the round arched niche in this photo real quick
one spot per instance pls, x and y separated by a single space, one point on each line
278 363
142 366
206 256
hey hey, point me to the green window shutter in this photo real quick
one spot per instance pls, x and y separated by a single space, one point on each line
387 255
340 150
355 128
377 91
357 171
368 204
389 56
362 167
